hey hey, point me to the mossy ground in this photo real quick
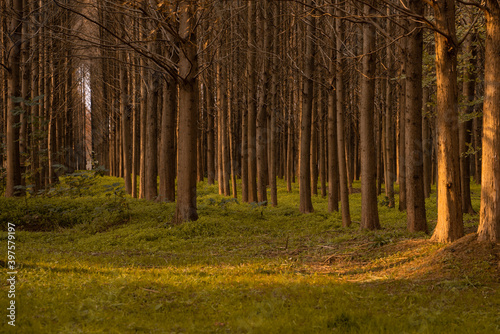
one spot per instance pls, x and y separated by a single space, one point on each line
112 264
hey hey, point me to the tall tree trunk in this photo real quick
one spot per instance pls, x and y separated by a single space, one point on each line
415 199
305 122
449 224
489 223
252 107
426 144
262 106
389 132
402 130
13 106
339 88
274 105
125 110
369 208
188 115
465 125
167 151
211 131
151 168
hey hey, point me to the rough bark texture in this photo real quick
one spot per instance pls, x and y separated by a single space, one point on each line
489 223
449 224
369 206
188 116
415 199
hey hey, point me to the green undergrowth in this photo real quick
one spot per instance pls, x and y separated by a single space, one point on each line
95 260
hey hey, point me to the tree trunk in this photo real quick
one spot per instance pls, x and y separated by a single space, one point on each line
167 151
125 110
305 122
389 129
339 87
415 197
465 125
261 131
426 144
151 168
489 223
13 107
369 208
402 131
188 116
449 224
252 107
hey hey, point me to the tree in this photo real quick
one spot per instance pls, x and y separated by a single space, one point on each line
14 102
305 122
252 107
465 126
489 223
188 114
369 208
415 200
449 224
339 87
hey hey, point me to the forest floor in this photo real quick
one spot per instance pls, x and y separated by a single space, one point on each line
91 260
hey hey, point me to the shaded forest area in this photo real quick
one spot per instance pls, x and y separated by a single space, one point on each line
327 92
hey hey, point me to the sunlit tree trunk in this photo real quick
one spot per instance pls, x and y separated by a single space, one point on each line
449 223
489 223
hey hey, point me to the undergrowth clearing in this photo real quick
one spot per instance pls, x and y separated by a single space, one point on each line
97 261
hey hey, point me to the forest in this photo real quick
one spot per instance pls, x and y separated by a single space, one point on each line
298 166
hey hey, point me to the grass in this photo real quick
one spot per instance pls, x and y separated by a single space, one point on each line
112 264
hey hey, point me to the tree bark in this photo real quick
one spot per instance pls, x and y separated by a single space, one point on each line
369 206
13 107
449 224
188 115
489 223
415 199
252 107
465 125
305 122
167 151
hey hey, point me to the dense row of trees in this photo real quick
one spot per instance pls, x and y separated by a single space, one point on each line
329 91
